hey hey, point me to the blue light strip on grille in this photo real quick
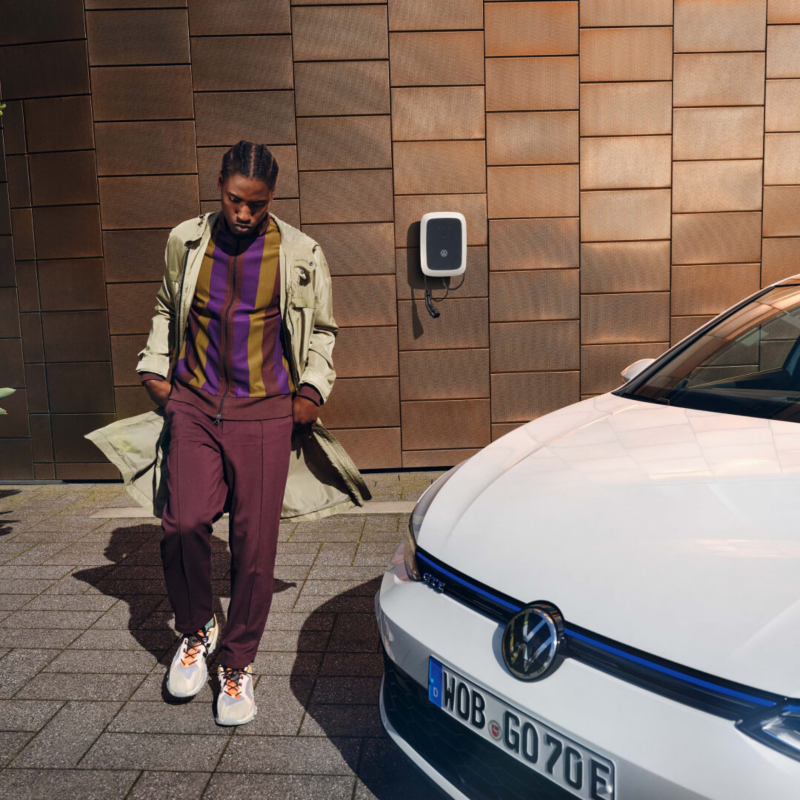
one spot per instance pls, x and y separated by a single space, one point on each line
469 585
794 709
760 701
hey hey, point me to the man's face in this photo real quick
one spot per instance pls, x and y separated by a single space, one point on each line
245 203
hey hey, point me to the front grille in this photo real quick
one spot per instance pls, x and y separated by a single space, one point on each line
474 765
690 687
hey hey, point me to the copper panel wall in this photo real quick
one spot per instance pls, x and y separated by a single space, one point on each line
627 168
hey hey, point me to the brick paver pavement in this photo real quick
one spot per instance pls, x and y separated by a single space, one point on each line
86 634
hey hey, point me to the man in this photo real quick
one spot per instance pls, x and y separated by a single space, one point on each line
252 366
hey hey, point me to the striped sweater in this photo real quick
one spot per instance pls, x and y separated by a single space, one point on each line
232 364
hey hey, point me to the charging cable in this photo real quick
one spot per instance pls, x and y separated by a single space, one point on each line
432 310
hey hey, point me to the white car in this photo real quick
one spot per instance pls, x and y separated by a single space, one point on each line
605 603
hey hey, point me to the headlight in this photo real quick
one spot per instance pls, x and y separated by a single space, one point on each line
415 522
779 729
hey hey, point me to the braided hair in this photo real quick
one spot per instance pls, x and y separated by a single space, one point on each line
252 161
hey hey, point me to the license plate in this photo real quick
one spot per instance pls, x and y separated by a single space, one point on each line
572 766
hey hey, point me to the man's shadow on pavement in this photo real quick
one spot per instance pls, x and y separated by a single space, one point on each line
343 699
136 578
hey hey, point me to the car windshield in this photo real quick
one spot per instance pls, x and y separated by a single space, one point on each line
748 363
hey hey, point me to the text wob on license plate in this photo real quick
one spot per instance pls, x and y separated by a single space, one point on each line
572 766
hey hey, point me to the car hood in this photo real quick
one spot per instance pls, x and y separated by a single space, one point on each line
670 530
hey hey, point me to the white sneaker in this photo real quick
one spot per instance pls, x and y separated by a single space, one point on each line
188 671
236 704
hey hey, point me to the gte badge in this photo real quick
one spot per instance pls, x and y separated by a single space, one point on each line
532 640
434 583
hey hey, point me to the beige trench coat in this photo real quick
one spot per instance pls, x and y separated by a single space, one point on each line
322 478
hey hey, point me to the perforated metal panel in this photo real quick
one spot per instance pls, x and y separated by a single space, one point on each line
629 317
783 105
783 51
706 133
444 374
706 289
705 26
158 36
625 267
780 258
338 33
422 15
518 244
449 58
346 196
782 158
601 364
223 118
626 215
467 325
531 84
534 295
440 424
73 285
619 13
626 54
523 396
541 191
439 167
781 210
531 29
535 346
532 137
220 17
57 123
356 249
372 448
146 148
719 79
366 352
341 87
260 63
363 403
132 256
364 300
716 238
344 143
451 112
44 70
66 232
716 186
626 109
783 11
131 202
629 162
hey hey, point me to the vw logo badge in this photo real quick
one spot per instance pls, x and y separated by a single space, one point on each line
532 640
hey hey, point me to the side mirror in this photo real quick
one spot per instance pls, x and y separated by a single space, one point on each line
637 368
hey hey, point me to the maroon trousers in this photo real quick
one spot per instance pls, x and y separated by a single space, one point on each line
249 459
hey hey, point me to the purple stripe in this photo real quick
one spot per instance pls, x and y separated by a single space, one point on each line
216 292
280 371
251 271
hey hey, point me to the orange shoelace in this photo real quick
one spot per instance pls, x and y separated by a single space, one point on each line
195 641
232 678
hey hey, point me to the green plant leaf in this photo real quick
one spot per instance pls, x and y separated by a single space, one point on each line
6 392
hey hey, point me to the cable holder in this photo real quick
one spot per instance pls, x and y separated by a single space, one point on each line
429 305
